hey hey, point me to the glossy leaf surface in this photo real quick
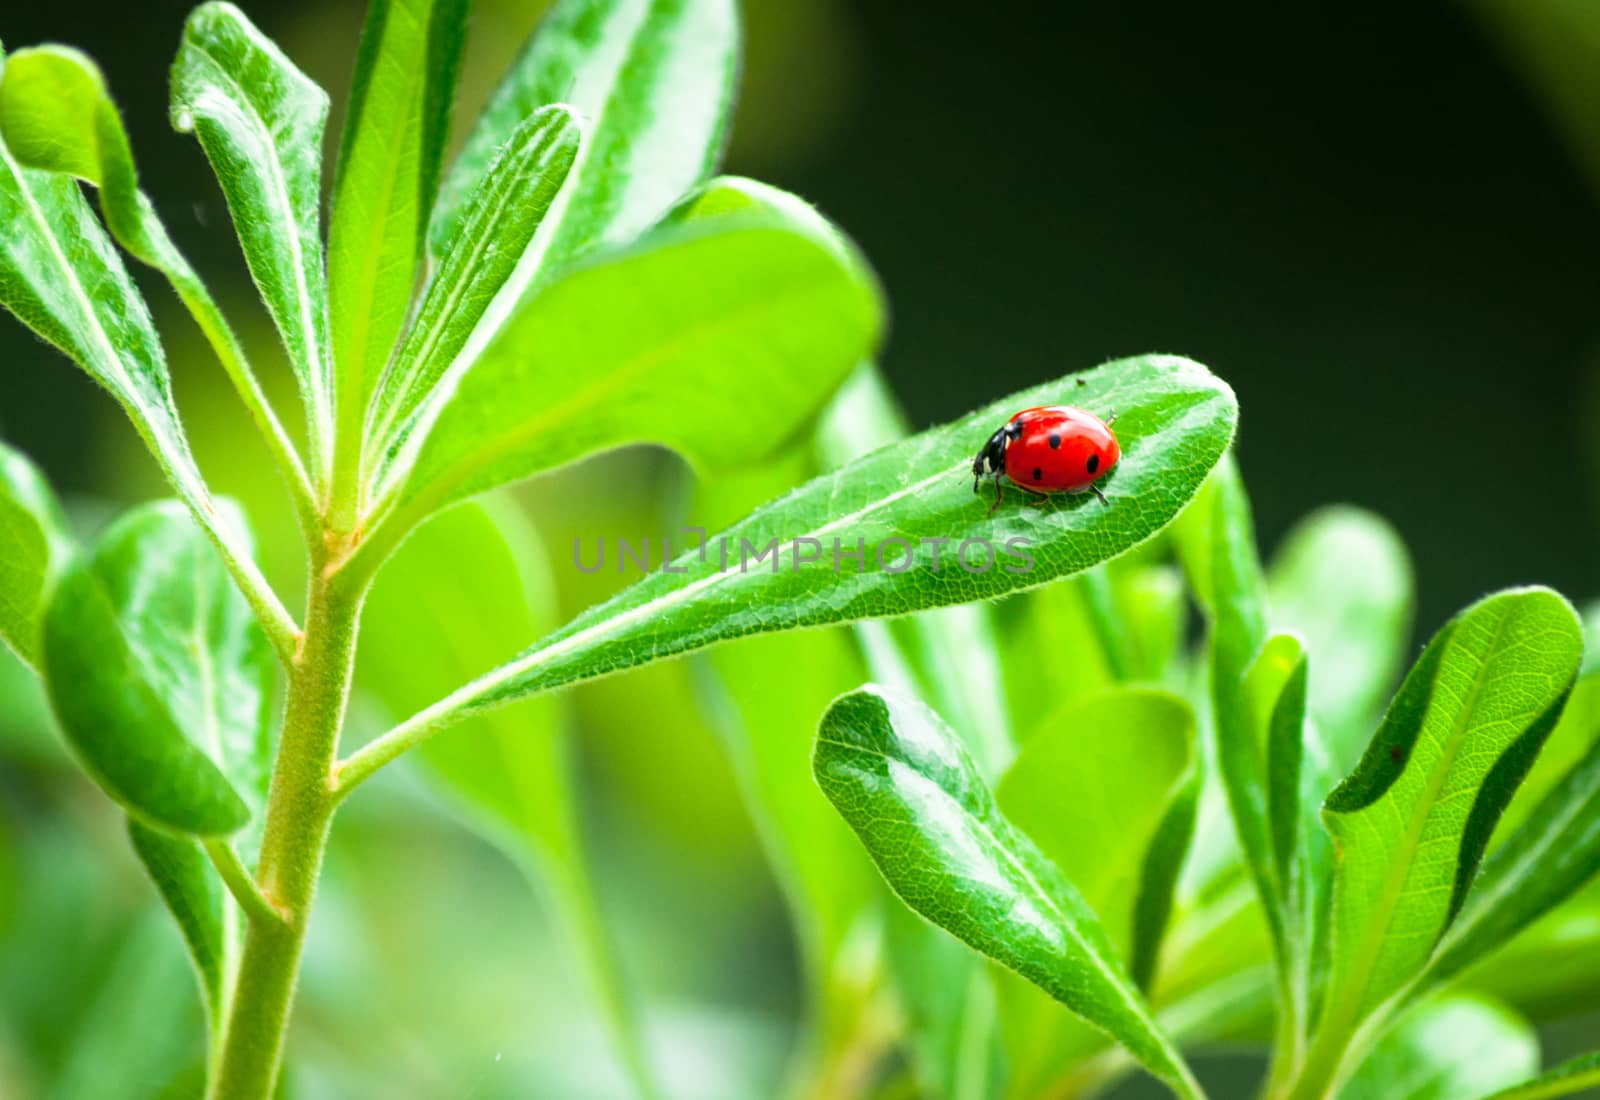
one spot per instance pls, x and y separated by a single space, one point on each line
903 781
1176 420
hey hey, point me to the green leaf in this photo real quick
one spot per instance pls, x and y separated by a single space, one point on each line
193 893
653 80
34 548
731 329
1342 581
1450 1049
903 781
1566 1079
1554 852
1094 787
61 276
1570 743
476 580
1176 420
394 137
260 121
1411 822
498 219
1217 541
159 676
952 654
57 115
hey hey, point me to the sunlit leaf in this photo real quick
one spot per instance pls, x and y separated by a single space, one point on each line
260 121
1412 821
61 276
497 219
1554 851
57 115
903 781
1452 1049
730 328
395 130
1176 420
653 80
1567 1079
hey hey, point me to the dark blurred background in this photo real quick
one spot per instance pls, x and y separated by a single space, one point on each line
1373 219
1377 221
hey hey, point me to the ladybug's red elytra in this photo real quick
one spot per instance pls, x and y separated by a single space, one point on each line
1050 449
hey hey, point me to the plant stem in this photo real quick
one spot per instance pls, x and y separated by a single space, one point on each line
237 878
299 810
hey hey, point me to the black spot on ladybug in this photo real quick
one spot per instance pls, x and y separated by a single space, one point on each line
1094 463
1055 441
1396 753
1038 474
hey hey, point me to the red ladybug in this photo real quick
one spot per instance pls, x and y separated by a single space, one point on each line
1051 449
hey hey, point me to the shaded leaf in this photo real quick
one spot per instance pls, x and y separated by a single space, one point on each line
1411 822
34 548
1457 1048
900 777
193 893
260 121
159 676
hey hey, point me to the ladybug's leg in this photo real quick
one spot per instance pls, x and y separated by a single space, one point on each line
1095 489
1035 497
999 494
1112 419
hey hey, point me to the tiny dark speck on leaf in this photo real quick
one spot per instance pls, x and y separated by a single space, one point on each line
1396 753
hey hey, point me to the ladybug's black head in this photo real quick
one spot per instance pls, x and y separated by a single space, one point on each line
993 456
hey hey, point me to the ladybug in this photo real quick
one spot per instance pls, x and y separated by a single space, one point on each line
1050 449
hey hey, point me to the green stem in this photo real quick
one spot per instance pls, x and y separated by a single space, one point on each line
256 905
299 811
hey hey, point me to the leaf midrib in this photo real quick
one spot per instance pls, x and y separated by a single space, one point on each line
279 193
1373 941
1064 921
